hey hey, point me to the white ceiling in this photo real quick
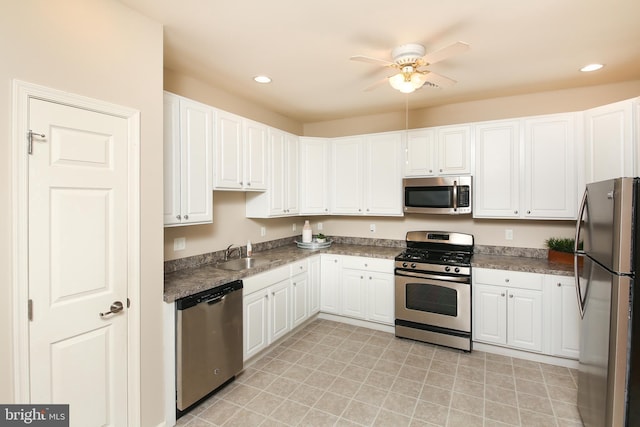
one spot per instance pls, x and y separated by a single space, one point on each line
304 46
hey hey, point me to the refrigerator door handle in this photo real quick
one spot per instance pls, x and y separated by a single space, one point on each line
581 300
577 253
583 207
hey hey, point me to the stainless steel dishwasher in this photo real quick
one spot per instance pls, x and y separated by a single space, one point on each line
208 342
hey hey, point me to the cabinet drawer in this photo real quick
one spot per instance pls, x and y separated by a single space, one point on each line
369 264
264 280
512 279
299 267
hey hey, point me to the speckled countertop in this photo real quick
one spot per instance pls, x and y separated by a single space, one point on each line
182 283
201 273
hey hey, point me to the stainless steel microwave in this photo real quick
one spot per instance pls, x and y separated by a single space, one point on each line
449 195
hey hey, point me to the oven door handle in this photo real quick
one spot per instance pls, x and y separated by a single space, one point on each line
404 273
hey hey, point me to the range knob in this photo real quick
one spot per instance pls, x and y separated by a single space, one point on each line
413 265
457 270
447 269
404 264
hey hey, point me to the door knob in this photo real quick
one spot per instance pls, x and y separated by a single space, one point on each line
116 307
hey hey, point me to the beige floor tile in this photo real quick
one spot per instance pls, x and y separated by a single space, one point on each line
406 387
345 387
440 380
464 419
290 412
360 412
390 419
501 395
316 418
244 418
467 403
297 373
565 410
242 394
443 367
567 395
219 412
371 395
400 404
265 403
536 419
431 412
379 379
531 387
503 413
500 380
332 403
535 403
282 387
306 395
436 395
471 374
471 388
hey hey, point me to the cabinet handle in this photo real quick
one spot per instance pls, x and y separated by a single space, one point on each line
502 294
186 217
178 217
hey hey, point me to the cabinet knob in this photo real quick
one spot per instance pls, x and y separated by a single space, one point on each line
502 294
335 260
510 295
369 277
366 265
248 184
506 280
515 212
361 277
528 212
430 170
367 209
326 210
294 283
240 182
178 216
359 210
559 284
440 170
186 217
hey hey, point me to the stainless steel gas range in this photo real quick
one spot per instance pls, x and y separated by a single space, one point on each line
433 288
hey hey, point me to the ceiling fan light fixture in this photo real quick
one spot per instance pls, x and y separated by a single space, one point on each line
407 83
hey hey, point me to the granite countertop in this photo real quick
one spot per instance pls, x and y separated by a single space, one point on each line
188 281
518 263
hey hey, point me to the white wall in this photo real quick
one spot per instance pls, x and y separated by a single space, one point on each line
100 49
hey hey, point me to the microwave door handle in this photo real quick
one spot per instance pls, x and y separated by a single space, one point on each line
455 196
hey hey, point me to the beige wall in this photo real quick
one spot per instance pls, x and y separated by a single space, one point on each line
103 50
230 225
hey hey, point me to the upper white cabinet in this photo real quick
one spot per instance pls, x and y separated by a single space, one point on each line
187 161
240 153
526 168
366 175
281 197
610 140
314 176
443 150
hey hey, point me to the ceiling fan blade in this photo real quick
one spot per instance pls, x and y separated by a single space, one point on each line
371 60
446 52
438 79
376 84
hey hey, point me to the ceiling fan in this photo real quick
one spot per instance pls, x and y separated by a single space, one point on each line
410 61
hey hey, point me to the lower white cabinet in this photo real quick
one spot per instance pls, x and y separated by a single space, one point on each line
565 317
314 284
299 293
508 309
331 272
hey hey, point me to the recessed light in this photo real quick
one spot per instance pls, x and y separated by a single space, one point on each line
262 79
591 67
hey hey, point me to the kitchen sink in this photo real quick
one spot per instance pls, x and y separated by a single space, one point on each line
242 263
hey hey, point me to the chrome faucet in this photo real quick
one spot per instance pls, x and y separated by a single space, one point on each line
230 250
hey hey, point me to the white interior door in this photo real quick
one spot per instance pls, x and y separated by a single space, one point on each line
78 261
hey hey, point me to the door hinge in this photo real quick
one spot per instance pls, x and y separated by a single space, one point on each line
30 310
30 136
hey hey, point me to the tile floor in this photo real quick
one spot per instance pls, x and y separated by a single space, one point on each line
334 374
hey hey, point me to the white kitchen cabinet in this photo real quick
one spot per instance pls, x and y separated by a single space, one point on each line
508 309
241 153
330 287
436 151
300 287
255 323
610 141
187 161
279 309
366 175
368 289
314 176
565 317
526 168
315 280
281 197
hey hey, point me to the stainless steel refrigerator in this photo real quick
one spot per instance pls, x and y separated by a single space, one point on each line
608 380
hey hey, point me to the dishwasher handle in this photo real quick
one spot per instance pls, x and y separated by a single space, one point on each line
210 296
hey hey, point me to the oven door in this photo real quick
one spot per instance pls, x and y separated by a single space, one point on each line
434 300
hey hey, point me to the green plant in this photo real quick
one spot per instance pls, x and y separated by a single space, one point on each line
562 244
320 236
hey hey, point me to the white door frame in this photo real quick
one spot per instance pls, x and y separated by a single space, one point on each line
22 91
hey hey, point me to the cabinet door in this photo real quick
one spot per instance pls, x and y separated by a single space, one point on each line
314 284
489 314
255 155
609 141
277 172
279 310
346 185
255 326
330 288
565 333
383 179
420 153
314 176
196 171
292 205
229 160
353 295
300 298
172 180
497 178
550 188
524 324
380 290
454 150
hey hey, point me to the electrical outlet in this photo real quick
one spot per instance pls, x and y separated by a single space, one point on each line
179 243
293 227
319 226
508 234
263 231
372 228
